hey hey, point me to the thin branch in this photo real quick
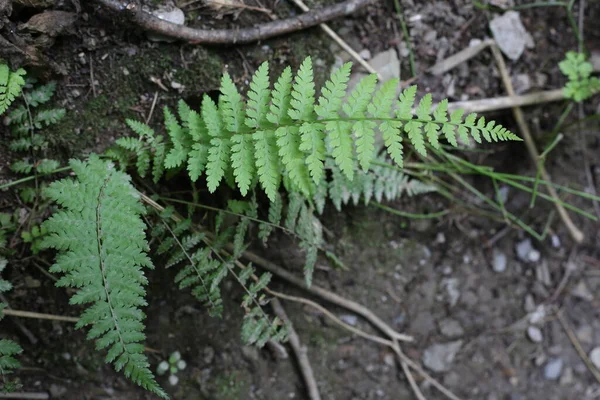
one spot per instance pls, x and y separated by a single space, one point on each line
152 23
577 345
35 315
300 351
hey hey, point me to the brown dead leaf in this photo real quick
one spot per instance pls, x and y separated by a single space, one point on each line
51 23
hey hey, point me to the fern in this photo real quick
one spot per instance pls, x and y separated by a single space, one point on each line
8 348
11 84
581 84
102 249
286 133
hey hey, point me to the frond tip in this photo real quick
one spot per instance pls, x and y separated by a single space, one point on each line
100 237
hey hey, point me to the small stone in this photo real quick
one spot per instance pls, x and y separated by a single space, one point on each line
174 15
440 238
521 83
125 71
176 85
57 391
555 241
75 93
510 34
567 377
365 54
582 291
430 36
499 262
451 328
553 369
526 252
529 304
349 319
250 353
595 357
387 64
389 360
439 357
535 334
452 290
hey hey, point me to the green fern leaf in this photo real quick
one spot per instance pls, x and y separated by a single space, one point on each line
259 97
143 130
267 162
313 143
340 140
40 94
46 166
218 159
179 138
11 84
365 142
303 93
282 94
212 117
242 161
102 249
275 210
289 141
332 95
232 107
390 130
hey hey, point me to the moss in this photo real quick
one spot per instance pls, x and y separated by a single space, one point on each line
231 385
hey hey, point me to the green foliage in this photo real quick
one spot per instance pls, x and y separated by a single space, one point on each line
287 130
11 84
35 238
100 237
581 84
25 121
8 348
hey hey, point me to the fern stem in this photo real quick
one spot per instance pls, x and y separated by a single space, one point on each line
102 264
435 215
411 55
32 177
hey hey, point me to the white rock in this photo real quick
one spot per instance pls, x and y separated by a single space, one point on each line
365 54
174 15
553 369
439 357
582 291
535 334
499 261
451 328
510 34
349 319
387 64
526 252
595 357
555 241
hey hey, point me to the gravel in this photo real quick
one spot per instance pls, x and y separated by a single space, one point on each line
595 357
499 261
535 334
553 369
439 357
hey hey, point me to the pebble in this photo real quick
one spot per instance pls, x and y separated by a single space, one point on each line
534 334
555 241
452 290
365 54
57 391
567 377
349 319
582 291
499 262
439 357
526 252
529 304
387 64
553 369
174 15
595 357
510 34
451 327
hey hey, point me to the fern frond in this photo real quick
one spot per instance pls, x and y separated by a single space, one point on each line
40 94
48 117
258 330
217 162
259 97
99 235
179 138
282 95
232 107
8 348
303 93
268 164
46 166
242 161
275 210
11 84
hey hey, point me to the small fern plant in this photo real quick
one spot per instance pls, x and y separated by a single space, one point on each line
26 122
100 237
578 70
8 348
11 83
287 133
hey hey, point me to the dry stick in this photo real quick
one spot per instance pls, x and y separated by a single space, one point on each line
500 103
25 395
31 314
300 351
411 381
460 57
229 36
327 295
340 41
577 235
577 345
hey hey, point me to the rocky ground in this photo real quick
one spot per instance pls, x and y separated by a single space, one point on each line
481 300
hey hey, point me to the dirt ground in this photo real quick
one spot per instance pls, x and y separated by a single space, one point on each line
433 279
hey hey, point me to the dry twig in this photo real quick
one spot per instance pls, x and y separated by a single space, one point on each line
300 351
312 18
577 345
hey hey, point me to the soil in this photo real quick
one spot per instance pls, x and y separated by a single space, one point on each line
432 279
